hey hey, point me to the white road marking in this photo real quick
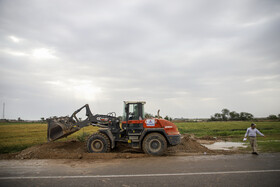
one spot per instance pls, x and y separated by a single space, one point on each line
139 175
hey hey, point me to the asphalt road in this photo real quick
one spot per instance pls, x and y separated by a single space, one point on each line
221 170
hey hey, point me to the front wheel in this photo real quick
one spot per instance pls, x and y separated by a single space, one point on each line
98 143
154 144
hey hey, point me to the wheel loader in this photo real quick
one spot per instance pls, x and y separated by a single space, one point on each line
152 135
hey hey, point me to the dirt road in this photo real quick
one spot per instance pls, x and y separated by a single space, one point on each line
210 170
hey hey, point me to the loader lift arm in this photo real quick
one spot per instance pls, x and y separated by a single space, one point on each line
64 126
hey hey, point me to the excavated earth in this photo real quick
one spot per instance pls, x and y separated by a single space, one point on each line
77 150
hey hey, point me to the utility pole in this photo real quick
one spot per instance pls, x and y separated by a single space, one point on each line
3 110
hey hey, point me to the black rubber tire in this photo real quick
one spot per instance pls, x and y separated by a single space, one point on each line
98 143
154 144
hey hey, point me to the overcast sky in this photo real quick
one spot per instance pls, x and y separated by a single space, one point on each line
187 58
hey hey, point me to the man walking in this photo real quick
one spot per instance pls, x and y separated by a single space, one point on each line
252 133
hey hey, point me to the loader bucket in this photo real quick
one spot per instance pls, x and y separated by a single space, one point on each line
59 127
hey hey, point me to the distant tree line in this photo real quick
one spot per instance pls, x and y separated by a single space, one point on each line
227 115
273 117
148 115
168 118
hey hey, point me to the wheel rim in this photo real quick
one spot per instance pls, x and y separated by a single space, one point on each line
155 145
97 145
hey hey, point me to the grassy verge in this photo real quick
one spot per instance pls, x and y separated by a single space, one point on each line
18 136
235 132
269 146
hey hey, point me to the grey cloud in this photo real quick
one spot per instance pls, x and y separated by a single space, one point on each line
189 58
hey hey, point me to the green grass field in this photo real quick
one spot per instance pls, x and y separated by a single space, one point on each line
18 136
229 129
235 131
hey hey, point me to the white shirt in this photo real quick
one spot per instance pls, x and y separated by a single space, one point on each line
253 132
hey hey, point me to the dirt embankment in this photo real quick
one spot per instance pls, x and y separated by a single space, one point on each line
189 144
77 150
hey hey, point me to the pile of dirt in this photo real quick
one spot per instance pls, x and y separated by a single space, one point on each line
70 150
77 150
189 144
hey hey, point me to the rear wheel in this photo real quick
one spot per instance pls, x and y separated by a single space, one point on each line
98 143
154 144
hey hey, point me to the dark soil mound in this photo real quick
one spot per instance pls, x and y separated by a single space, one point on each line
189 145
77 150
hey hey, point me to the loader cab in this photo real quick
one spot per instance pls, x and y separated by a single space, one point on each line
133 110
